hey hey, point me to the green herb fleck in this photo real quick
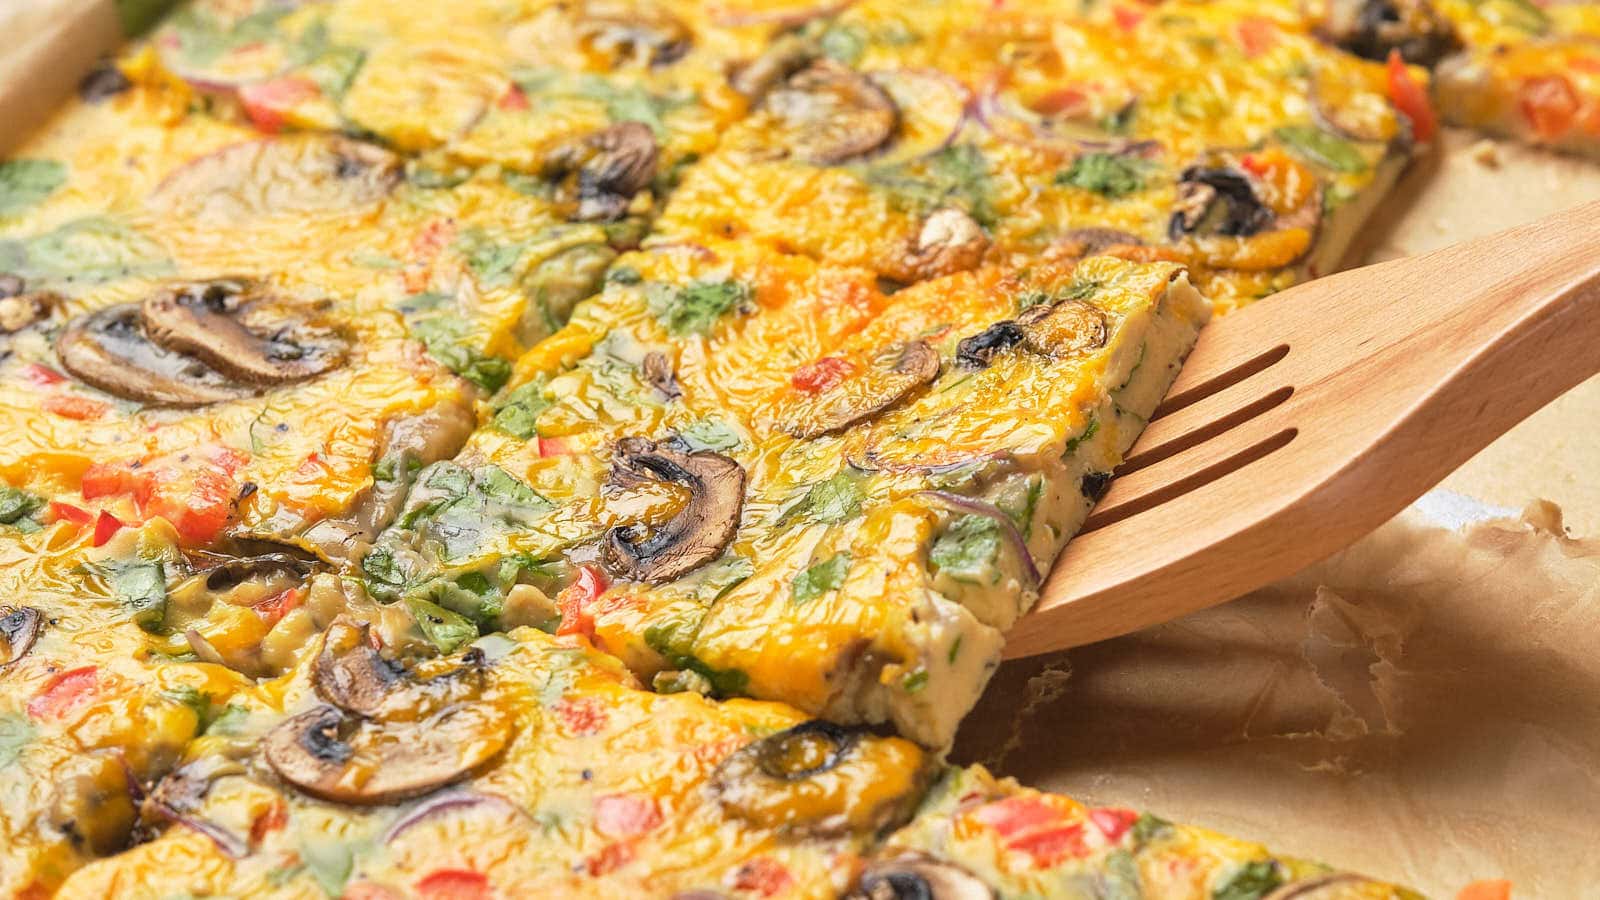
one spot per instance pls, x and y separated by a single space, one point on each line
1318 146
696 307
17 508
709 434
915 681
1088 433
26 182
820 578
518 412
967 550
16 730
1107 174
1251 882
444 629
1147 828
826 502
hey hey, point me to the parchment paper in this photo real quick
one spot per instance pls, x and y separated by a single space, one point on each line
1423 707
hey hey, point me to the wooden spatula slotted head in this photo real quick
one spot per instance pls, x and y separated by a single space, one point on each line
1303 422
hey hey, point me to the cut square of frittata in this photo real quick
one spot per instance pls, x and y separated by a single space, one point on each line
947 134
978 836
525 765
750 474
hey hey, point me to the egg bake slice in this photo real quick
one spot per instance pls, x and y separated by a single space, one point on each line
978 836
524 765
923 140
749 474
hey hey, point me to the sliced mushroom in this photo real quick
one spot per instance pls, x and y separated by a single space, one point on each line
230 326
103 82
977 351
1067 328
1374 28
11 285
782 58
892 375
657 370
693 537
289 174
917 876
272 568
19 628
828 114
351 674
632 35
19 310
1082 242
604 170
343 758
109 350
1337 886
821 778
1217 201
949 241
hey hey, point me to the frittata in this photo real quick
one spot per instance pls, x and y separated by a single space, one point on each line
516 447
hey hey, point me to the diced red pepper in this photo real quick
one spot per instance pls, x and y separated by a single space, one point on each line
553 447
1060 102
105 525
64 693
268 103
1113 821
575 599
620 816
43 376
1550 105
453 884
513 99
194 490
1032 825
1411 99
1127 18
582 715
609 859
73 406
66 512
1492 889
763 875
1257 36
273 818
279 605
105 480
822 375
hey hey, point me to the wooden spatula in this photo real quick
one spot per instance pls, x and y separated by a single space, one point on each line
1305 421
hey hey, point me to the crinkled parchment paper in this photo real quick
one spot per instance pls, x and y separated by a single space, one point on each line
1424 706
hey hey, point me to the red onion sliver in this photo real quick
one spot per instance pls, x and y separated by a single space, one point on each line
1007 527
443 804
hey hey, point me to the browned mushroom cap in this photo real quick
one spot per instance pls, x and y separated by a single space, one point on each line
608 168
18 308
335 756
822 778
1373 28
892 375
782 58
693 537
1217 200
917 876
1338 886
232 327
629 35
1092 241
19 628
949 241
293 174
657 370
1069 327
827 114
109 350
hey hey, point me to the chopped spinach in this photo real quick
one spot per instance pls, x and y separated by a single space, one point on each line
915 681
709 434
26 182
17 508
1318 146
141 586
673 639
843 43
332 66
1147 828
1252 881
968 549
1077 440
491 262
444 629
623 102
16 730
91 249
447 341
695 307
517 414
835 500
458 510
958 175
820 578
1107 174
